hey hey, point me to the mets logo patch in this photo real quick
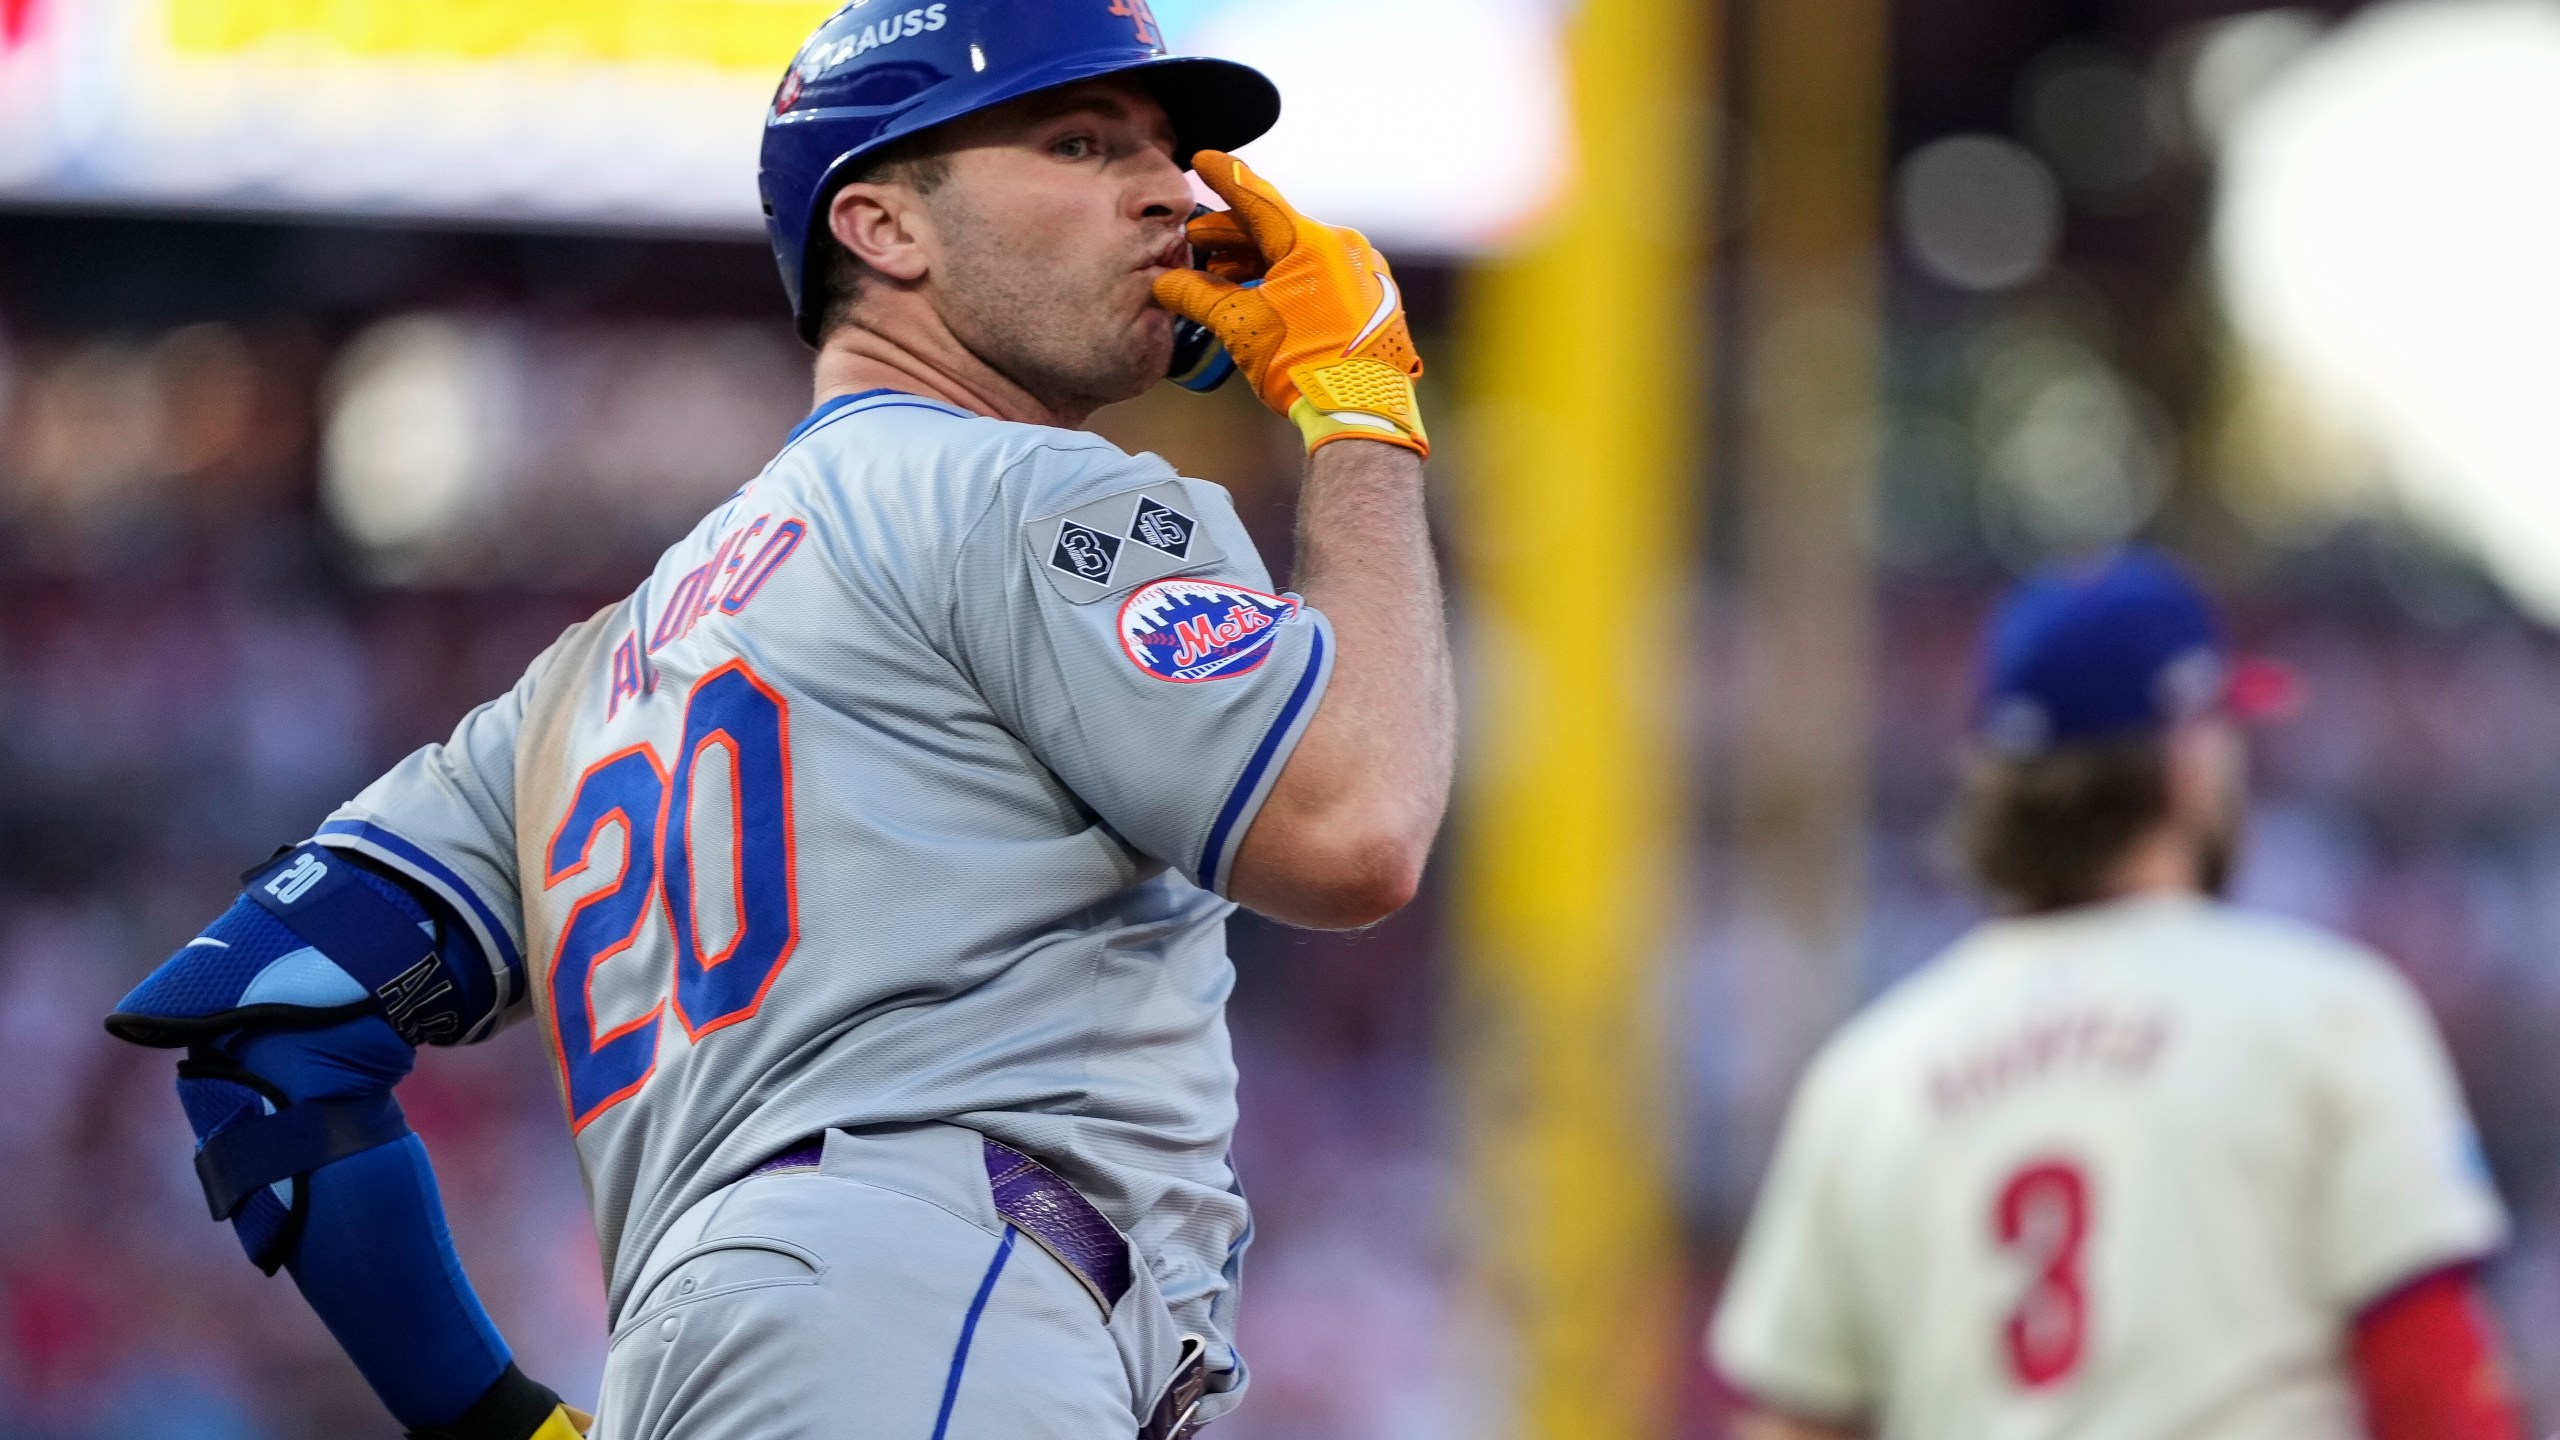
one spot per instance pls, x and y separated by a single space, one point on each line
1187 631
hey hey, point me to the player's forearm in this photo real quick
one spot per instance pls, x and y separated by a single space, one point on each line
377 1266
1386 733
1343 837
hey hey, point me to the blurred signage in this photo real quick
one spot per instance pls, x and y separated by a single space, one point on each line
723 34
1439 130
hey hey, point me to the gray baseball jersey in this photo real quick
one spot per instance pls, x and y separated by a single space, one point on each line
905 788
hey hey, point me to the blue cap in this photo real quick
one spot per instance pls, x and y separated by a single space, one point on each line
2120 645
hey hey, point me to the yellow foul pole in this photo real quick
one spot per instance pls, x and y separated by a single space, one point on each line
1813 101
1577 511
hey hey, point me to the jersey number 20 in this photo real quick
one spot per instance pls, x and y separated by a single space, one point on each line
2042 1217
731 718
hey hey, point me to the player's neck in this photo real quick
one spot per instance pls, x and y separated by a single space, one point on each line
2161 862
925 359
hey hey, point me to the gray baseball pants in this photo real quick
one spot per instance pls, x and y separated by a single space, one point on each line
878 1296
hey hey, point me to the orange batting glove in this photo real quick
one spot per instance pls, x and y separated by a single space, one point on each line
1322 337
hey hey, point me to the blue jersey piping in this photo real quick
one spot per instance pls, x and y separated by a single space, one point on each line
1251 780
841 403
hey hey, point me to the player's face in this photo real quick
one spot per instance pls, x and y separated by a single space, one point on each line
1060 211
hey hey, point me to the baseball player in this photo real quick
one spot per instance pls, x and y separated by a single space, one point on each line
865 870
2128 1162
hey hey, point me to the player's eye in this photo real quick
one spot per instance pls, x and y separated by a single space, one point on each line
1077 147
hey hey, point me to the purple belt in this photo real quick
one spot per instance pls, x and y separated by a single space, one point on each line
1033 1199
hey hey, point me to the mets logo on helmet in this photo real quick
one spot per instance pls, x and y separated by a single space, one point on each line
1188 631
1149 34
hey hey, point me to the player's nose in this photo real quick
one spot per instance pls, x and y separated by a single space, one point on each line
1159 189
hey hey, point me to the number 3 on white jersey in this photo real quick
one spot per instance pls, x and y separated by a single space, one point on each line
2041 1216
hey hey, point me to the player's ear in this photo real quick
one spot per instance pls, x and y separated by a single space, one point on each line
885 227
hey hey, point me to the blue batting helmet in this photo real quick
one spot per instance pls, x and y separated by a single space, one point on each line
878 71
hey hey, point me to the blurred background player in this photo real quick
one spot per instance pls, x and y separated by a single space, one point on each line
2126 1162
867 868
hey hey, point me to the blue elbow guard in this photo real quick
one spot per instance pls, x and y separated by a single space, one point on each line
300 1009
318 938
318 943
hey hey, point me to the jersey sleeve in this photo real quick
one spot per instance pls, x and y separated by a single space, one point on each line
1119 622
444 818
2402 1188
1786 1332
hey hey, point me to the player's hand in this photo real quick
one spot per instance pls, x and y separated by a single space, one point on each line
1225 249
1322 335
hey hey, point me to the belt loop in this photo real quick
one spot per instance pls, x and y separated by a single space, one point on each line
1179 1403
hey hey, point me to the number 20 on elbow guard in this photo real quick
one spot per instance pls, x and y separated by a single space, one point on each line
732 719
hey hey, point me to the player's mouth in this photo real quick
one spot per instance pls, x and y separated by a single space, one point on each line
1173 254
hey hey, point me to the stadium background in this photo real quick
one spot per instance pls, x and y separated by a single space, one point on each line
345 356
